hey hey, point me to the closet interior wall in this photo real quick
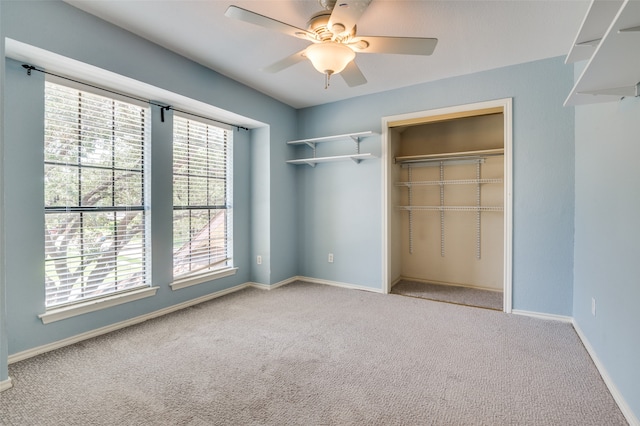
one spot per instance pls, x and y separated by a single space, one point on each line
453 245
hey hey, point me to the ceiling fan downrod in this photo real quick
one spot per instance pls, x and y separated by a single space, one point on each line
327 4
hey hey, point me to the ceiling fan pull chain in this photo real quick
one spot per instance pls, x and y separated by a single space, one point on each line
327 83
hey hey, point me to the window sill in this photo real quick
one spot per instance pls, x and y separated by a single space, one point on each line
65 312
189 281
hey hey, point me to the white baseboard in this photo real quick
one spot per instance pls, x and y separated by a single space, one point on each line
539 315
137 320
5 384
19 356
338 284
613 389
29 353
394 282
273 286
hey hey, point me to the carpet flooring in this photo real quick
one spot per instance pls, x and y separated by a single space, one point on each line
307 354
450 294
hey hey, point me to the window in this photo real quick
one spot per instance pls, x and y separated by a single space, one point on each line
95 210
201 198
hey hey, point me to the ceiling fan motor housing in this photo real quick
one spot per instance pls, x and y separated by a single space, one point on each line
319 24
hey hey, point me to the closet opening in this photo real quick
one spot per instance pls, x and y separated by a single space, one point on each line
448 204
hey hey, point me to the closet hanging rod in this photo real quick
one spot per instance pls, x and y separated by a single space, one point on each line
449 156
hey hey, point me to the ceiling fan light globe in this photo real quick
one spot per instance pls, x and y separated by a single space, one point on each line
329 57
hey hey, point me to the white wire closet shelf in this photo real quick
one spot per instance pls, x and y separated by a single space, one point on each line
312 142
473 158
449 156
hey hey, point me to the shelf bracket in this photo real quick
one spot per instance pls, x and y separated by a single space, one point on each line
478 214
410 214
595 42
311 144
629 30
357 140
441 209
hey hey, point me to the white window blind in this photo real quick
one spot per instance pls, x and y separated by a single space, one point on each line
201 198
95 219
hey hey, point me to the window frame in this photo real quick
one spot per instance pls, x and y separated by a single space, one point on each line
187 280
82 305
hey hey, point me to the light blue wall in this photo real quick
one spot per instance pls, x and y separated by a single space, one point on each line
24 207
283 215
340 203
260 200
340 212
108 47
3 330
607 238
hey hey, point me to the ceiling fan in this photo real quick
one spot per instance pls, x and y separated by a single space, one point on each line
332 33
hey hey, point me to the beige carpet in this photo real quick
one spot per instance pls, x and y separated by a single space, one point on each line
450 294
308 354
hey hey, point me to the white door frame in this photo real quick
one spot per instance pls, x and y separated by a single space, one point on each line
387 163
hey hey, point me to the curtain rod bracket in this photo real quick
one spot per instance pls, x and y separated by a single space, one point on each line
29 68
162 110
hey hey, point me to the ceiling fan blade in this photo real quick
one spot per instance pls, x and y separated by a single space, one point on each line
345 15
352 75
286 62
266 22
397 45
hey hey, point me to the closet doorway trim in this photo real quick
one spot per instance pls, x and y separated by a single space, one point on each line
479 108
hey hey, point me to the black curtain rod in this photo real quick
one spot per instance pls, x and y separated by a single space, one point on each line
163 108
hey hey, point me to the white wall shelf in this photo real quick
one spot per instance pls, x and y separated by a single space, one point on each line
593 28
312 161
613 72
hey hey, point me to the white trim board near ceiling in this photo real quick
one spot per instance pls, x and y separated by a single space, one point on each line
67 67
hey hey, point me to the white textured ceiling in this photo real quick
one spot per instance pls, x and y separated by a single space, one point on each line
473 36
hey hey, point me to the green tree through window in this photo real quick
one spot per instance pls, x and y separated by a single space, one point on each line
201 213
95 218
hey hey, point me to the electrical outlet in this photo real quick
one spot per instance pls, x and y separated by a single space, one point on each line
259 260
593 306
330 258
